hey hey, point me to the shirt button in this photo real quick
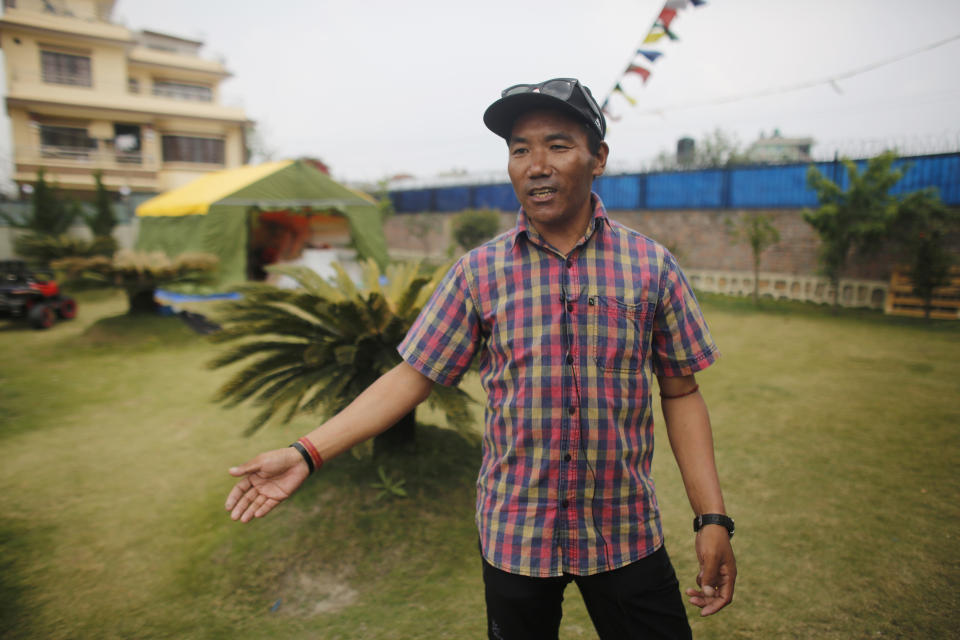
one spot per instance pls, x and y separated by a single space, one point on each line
569 306
572 410
565 504
591 301
569 262
566 458
569 359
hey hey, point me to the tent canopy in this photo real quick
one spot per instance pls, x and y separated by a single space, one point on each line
211 214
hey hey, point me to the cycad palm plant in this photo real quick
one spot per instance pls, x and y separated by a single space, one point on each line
318 347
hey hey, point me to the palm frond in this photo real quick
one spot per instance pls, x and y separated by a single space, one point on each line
345 282
318 347
254 376
309 280
242 351
371 276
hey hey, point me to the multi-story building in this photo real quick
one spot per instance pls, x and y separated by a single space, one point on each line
776 149
86 94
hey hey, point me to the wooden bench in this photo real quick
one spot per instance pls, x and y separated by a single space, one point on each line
902 300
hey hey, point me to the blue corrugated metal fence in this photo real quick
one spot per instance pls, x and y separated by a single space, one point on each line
766 187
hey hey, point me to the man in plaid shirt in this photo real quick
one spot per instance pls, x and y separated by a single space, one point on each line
569 314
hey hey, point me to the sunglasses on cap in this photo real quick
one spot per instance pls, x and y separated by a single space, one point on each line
561 88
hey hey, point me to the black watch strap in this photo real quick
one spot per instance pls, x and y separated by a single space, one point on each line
714 518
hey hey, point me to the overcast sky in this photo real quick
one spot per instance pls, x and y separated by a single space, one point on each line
380 87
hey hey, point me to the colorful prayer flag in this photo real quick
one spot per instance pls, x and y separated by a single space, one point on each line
653 36
645 73
667 16
676 4
649 55
619 90
698 3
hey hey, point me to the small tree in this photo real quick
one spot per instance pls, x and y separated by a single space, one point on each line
473 227
756 230
103 221
319 347
384 203
855 218
52 215
921 229
139 274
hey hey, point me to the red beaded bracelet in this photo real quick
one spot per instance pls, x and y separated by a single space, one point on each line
696 387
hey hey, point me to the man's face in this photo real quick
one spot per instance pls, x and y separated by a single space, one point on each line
552 169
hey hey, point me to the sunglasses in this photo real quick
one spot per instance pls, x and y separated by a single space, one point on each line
561 88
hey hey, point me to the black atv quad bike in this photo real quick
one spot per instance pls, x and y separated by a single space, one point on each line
33 295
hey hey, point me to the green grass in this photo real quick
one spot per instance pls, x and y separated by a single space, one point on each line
837 442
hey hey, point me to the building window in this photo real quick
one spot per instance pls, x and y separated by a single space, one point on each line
190 149
65 142
126 143
133 85
182 91
66 68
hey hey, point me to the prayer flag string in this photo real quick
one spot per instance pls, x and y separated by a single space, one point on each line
660 28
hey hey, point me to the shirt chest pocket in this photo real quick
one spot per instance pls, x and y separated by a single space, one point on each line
619 332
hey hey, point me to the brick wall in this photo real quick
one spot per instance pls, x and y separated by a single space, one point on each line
698 238
700 241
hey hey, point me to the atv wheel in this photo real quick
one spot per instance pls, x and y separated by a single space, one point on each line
67 308
42 316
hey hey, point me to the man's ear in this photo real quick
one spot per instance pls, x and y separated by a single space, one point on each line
601 158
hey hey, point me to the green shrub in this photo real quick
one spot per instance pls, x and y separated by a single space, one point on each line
473 227
44 249
139 274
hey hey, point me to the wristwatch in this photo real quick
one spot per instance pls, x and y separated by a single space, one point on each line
714 518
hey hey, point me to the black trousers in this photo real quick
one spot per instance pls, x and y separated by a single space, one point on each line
640 600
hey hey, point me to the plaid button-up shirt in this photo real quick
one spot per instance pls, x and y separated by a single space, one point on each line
567 347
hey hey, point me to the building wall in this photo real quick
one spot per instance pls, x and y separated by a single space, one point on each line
27 30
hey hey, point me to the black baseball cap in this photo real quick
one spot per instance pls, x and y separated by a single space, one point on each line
566 95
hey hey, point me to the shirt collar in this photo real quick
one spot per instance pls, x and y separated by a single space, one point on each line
525 230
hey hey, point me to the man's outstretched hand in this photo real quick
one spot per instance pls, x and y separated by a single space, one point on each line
265 482
718 570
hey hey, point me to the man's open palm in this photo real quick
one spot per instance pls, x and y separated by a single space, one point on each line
266 481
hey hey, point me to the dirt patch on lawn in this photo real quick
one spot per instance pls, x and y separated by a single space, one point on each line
304 594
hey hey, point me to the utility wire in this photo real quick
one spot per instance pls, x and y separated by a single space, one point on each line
830 80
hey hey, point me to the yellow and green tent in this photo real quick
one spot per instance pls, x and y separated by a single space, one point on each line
213 214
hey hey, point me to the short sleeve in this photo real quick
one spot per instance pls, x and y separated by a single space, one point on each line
682 343
444 338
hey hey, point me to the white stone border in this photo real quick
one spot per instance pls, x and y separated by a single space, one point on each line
784 286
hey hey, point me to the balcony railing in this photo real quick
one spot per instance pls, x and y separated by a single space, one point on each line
197 94
84 156
101 12
63 77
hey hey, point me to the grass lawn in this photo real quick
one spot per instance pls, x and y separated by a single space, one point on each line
837 440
